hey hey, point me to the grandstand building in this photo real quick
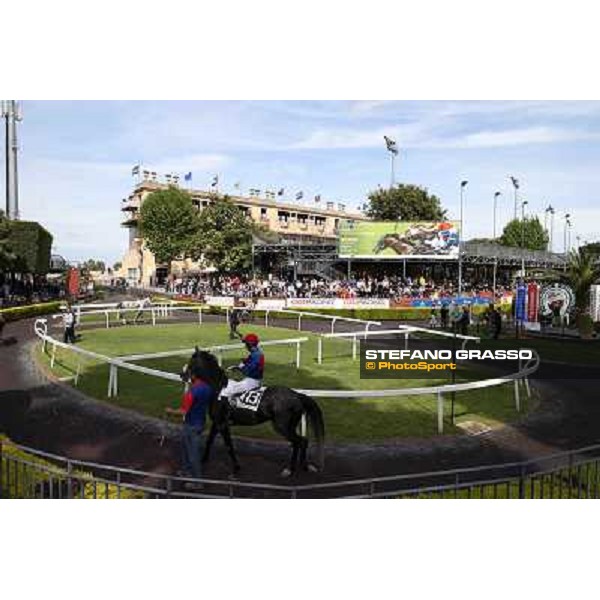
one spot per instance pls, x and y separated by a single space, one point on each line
294 224
305 244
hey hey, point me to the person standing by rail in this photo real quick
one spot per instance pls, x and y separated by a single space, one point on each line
193 409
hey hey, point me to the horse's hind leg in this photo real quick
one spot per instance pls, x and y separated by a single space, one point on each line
209 442
229 443
287 429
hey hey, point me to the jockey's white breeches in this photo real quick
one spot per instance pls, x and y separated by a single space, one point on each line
237 387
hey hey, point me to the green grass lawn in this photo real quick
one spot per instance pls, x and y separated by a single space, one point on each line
367 419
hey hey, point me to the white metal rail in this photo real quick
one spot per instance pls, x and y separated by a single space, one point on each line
41 330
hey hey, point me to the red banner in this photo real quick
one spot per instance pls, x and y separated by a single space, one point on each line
533 302
73 283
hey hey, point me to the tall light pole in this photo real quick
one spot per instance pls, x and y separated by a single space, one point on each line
463 184
523 205
495 203
495 269
515 183
549 211
11 112
393 150
567 224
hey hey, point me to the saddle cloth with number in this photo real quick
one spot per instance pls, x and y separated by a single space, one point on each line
249 400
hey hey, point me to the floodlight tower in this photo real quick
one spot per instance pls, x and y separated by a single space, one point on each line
11 112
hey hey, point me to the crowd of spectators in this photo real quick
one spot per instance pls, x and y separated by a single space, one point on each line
384 286
28 290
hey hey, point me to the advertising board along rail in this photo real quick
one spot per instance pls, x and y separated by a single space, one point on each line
41 330
405 330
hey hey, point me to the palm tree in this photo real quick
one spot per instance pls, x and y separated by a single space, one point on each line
581 273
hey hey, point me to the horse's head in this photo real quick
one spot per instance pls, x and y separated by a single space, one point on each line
204 365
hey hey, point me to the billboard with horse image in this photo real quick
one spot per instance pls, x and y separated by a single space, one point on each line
399 239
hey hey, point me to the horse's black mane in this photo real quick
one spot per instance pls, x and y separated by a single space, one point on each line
206 366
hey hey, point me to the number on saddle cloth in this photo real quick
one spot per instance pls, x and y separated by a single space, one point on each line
249 400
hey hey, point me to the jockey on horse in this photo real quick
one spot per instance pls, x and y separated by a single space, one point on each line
252 367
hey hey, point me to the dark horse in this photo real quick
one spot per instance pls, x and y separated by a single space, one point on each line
282 406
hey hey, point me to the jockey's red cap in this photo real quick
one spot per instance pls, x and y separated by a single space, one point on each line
250 338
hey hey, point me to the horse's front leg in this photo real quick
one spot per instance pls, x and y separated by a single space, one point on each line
209 442
229 443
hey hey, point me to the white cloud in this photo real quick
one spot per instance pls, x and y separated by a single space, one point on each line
422 136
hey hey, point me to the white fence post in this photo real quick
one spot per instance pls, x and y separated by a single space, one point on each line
111 375
116 382
333 320
440 412
517 396
354 347
107 319
153 318
320 351
266 318
53 356
406 341
300 322
200 316
297 355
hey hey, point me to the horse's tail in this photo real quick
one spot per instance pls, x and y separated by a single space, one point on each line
315 417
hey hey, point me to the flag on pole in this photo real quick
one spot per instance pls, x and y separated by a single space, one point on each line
281 192
391 144
318 198
215 181
515 182
188 176
135 171
299 195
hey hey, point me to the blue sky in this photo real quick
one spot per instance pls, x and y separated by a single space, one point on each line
76 157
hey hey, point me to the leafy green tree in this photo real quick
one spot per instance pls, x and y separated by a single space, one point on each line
94 265
224 237
117 266
592 248
168 222
404 202
528 233
6 255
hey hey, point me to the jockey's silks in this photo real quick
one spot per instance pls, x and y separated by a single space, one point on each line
253 365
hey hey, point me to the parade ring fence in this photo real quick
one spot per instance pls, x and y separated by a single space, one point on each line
29 473
158 311
440 392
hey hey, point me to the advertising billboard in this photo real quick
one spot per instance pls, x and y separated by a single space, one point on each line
399 239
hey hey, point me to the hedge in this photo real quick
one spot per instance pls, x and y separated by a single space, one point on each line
31 310
32 244
47 474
